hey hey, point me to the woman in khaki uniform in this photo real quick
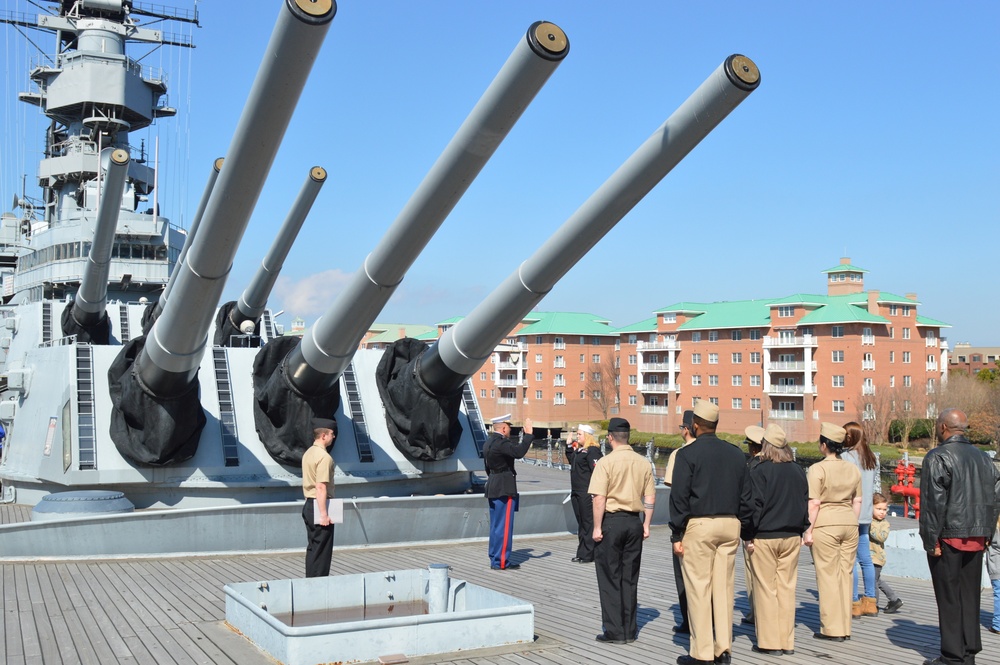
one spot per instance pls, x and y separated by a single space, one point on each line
834 506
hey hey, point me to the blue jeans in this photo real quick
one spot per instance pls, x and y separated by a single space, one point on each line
996 604
864 562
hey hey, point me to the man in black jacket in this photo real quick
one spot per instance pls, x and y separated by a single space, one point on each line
959 500
499 453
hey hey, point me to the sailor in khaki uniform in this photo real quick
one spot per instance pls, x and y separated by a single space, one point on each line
624 494
754 437
834 506
709 506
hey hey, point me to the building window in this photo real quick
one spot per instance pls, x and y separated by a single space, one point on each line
482 392
755 404
482 376
633 379
838 331
737 380
713 359
806 331
493 376
538 376
559 380
737 358
559 343
696 336
696 379
632 359
755 334
892 356
538 357
583 376
736 335
583 395
906 382
713 379
596 358
559 362
597 394
755 357
786 311
582 358
713 335
538 394
714 400
930 334
493 393
906 357
906 333
755 380
538 339
892 381
631 400
838 380
596 376
560 398
893 310
737 403
632 339
838 406
906 312
837 356
695 358
670 318
618 344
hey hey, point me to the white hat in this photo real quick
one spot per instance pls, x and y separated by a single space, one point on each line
500 419
586 429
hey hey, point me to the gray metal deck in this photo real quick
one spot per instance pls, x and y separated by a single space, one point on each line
168 611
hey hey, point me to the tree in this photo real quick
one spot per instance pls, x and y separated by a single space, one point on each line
875 414
602 384
909 405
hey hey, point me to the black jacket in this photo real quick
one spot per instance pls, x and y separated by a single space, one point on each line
499 454
581 466
780 500
959 493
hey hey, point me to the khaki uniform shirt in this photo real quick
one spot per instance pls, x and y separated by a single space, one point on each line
835 483
317 467
668 475
624 477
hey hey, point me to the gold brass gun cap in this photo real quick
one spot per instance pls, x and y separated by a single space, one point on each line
551 37
315 7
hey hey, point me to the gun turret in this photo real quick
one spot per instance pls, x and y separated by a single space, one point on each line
154 310
86 317
295 380
243 317
156 417
421 385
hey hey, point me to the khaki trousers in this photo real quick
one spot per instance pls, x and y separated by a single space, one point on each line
775 566
710 545
833 550
748 577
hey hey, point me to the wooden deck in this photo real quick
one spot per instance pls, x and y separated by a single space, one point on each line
167 611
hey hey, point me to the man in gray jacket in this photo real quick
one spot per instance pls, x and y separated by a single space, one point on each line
959 502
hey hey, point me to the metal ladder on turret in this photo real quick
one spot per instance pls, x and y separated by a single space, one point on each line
123 329
46 322
227 412
358 416
475 417
268 325
86 430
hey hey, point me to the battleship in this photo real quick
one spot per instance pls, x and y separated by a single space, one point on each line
123 372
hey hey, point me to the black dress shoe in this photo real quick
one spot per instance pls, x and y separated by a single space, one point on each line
788 652
993 630
829 638
688 660
683 629
603 637
769 652
585 561
725 657
935 661
748 620
575 559
512 566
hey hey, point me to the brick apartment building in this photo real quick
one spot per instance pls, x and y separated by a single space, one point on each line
970 359
796 360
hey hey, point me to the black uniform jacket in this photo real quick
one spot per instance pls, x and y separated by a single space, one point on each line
780 501
499 454
710 480
581 466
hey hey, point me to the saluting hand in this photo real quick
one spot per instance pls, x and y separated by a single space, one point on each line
527 426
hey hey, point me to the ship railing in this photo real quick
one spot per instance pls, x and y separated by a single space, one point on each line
62 341
145 72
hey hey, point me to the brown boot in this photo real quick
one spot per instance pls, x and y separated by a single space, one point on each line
856 609
868 607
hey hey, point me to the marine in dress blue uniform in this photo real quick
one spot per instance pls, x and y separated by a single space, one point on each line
499 453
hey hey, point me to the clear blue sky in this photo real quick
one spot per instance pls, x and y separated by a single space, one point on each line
873 135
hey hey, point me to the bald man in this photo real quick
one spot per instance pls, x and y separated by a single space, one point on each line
959 502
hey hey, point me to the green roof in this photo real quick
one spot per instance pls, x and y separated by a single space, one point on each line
450 322
736 314
391 331
801 299
430 335
844 268
647 325
567 323
684 307
841 312
885 296
934 323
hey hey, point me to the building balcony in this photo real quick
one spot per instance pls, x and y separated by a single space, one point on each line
658 387
931 342
559 383
666 345
867 390
868 365
658 410
509 383
513 367
506 400
656 367
785 414
559 401
790 390
559 364
786 342
932 367
559 346
794 366
868 340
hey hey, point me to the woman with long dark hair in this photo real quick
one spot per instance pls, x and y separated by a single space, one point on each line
860 455
834 505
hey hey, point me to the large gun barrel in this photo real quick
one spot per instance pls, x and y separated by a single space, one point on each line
246 312
295 379
156 416
175 343
327 347
462 350
86 316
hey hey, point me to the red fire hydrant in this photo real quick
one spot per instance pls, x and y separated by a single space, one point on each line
904 486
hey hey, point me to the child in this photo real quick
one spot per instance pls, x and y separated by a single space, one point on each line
993 568
877 534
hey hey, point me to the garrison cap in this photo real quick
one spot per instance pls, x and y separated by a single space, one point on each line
832 432
775 435
619 425
755 433
706 411
324 423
